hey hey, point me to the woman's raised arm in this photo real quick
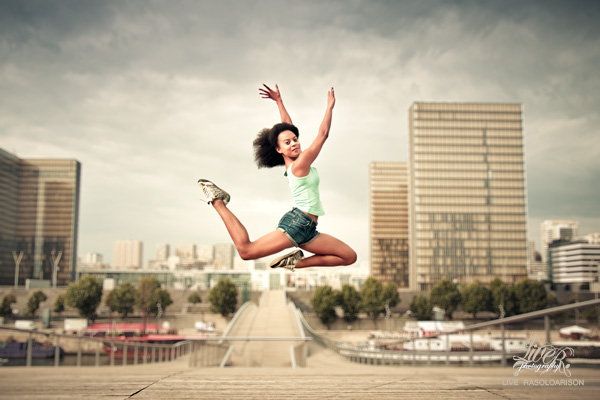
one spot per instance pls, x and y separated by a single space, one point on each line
268 93
302 165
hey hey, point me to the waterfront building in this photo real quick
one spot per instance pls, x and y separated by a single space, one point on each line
128 254
574 264
555 229
388 222
38 219
467 202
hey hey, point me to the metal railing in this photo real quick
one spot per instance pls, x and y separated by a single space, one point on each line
125 351
469 354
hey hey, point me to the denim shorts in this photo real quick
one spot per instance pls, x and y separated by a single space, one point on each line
298 227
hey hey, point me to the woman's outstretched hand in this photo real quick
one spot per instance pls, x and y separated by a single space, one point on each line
330 98
268 93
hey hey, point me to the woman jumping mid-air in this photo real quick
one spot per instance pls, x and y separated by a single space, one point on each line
276 146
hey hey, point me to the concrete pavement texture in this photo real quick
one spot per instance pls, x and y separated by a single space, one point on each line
263 371
175 380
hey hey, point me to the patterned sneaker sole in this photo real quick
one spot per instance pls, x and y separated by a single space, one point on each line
296 255
208 186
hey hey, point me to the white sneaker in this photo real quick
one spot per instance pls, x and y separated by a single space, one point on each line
288 261
212 191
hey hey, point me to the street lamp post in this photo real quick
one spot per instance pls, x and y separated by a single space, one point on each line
55 268
17 259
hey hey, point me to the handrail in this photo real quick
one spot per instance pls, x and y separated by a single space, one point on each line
360 355
521 317
233 321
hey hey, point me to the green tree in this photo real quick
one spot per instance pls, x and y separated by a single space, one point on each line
557 318
223 297
323 302
122 299
59 303
34 301
194 298
476 297
85 296
6 306
446 295
591 314
350 302
503 295
421 308
391 298
372 300
144 297
159 301
530 295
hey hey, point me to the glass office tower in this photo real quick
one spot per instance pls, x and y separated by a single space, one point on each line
43 222
388 220
467 193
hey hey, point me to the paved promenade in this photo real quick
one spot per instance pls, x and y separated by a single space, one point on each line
326 377
264 372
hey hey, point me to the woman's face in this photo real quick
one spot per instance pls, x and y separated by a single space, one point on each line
288 144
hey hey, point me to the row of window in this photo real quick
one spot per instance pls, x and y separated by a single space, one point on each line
446 174
425 149
457 166
466 141
459 191
469 183
467 158
448 124
467 217
512 115
514 244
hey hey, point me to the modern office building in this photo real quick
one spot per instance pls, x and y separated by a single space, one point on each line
223 255
467 202
128 254
39 215
163 251
388 222
574 264
552 230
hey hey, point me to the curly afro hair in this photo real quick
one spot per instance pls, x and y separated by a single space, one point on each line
265 145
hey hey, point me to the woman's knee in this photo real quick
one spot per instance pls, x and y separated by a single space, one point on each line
350 257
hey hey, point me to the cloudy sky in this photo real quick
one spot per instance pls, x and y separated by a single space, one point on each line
151 95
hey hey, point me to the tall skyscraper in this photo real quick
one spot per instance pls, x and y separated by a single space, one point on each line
187 253
388 222
39 213
163 251
128 254
553 229
223 255
467 193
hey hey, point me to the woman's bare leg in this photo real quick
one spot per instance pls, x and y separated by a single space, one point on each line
268 244
328 252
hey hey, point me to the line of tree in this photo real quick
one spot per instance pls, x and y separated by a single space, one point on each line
86 296
498 297
374 299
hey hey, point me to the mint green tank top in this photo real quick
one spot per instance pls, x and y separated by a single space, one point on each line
305 191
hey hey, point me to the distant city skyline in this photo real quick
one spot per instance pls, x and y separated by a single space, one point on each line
151 96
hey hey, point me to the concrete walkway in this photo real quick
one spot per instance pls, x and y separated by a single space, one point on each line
272 318
177 381
262 371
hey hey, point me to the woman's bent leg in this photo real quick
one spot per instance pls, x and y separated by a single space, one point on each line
328 252
271 243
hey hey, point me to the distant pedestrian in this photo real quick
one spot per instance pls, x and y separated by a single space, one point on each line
273 147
